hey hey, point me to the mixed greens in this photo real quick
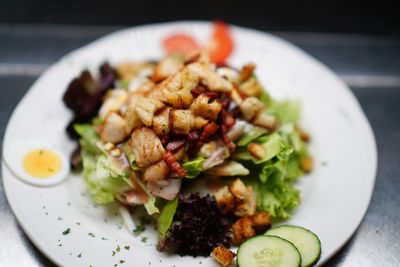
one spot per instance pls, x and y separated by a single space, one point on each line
148 130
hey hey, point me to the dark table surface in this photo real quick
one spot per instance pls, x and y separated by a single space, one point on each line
369 64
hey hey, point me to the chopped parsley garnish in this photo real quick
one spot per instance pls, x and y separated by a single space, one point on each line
144 239
139 229
118 248
91 234
121 261
127 247
113 253
66 231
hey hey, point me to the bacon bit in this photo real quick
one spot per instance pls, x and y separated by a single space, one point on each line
228 142
229 121
225 103
175 145
198 91
211 95
208 130
173 164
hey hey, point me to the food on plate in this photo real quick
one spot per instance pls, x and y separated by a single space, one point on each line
306 242
268 251
219 46
148 131
37 163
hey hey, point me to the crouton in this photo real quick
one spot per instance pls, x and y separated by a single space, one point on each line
166 67
209 78
248 205
238 189
235 96
261 221
247 71
251 107
223 255
266 121
156 172
181 121
168 90
251 87
145 109
113 102
303 134
161 122
225 200
146 146
306 164
206 107
242 230
114 128
256 150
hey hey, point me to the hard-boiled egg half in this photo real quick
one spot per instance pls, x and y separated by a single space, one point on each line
36 163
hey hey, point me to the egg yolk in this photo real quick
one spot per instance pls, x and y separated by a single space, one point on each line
42 163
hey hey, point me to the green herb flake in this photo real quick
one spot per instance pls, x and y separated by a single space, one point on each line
118 249
139 229
113 253
66 231
80 255
144 239
127 247
91 234
122 261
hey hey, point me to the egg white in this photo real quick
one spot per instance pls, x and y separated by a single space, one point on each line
14 156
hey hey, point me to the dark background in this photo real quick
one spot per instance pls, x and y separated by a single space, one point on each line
313 16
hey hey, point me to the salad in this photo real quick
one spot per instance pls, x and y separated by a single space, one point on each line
149 131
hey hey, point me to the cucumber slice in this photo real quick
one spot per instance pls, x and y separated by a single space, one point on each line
305 241
271 251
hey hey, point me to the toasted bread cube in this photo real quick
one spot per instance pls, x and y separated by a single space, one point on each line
114 129
145 109
223 255
242 230
266 121
225 200
247 207
206 107
247 71
156 172
181 121
210 78
238 189
256 150
251 107
146 146
161 122
166 67
261 221
306 164
251 87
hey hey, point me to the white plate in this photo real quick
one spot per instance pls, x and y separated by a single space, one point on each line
335 196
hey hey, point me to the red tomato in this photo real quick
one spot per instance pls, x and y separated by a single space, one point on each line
180 43
220 45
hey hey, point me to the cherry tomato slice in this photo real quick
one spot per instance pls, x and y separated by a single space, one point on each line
180 43
220 45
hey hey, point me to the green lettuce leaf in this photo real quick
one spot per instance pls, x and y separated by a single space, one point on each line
250 134
274 145
287 111
166 217
89 137
277 197
193 167
131 156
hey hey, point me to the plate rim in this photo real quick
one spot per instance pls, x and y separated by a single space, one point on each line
203 23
